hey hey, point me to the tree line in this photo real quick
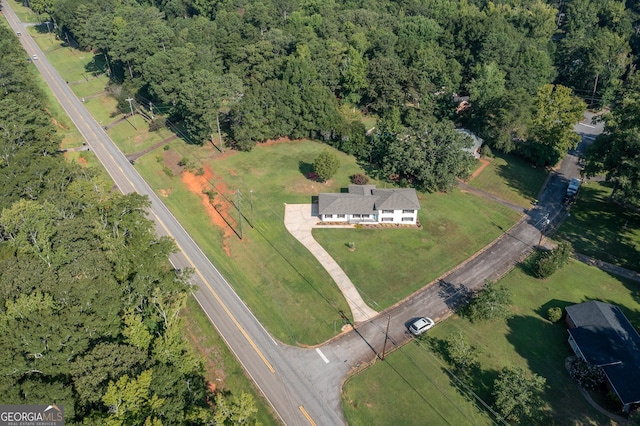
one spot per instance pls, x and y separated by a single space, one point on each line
273 68
89 303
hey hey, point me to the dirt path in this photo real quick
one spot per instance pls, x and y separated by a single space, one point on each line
136 155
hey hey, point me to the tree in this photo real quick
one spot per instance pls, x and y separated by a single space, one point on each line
428 156
491 303
556 111
326 165
615 151
549 262
518 396
462 354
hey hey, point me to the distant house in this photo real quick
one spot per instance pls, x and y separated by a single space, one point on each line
601 334
477 143
368 204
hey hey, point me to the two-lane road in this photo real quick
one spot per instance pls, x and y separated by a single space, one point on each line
287 387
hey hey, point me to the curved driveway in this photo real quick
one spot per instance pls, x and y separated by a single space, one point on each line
302 385
299 221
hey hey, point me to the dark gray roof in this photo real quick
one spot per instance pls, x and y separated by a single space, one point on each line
606 338
367 199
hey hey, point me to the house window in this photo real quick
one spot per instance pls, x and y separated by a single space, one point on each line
387 211
365 216
387 219
328 216
341 216
408 211
356 216
407 219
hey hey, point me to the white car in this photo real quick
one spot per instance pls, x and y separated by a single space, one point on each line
421 325
35 57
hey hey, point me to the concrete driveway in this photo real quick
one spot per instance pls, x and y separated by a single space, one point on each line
300 219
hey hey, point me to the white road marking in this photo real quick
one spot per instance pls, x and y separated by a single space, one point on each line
324 358
587 125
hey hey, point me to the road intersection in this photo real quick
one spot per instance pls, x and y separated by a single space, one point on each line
303 385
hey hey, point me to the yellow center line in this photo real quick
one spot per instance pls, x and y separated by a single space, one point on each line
90 131
304 413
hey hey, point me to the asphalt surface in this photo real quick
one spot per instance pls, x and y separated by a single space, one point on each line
303 385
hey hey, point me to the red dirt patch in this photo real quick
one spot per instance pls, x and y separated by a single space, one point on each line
219 208
484 165
275 141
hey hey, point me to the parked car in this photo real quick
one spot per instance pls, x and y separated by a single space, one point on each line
421 325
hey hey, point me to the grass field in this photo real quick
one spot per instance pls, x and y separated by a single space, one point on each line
408 388
221 367
512 179
601 229
454 227
527 340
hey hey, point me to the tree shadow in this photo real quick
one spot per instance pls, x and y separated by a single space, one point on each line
306 169
455 297
519 175
544 346
97 66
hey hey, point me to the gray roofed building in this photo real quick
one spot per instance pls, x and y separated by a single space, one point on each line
366 203
602 335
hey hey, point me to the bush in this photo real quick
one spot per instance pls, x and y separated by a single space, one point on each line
554 314
157 124
166 147
491 303
359 179
551 261
326 165
587 375
485 151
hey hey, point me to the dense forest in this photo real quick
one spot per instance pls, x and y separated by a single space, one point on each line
291 68
88 300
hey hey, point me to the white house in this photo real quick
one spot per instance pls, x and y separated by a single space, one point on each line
367 204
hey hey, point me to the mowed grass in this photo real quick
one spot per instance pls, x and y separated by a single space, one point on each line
24 13
132 139
526 340
222 369
512 179
454 227
279 280
601 229
408 388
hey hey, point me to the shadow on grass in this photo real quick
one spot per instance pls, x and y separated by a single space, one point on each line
603 229
305 168
98 65
544 346
521 176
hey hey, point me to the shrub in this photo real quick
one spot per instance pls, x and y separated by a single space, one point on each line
491 303
359 179
587 375
157 124
167 171
326 165
553 260
554 314
166 147
200 171
485 151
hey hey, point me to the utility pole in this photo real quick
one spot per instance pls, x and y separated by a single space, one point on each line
219 133
151 109
130 100
386 337
251 203
239 212
544 226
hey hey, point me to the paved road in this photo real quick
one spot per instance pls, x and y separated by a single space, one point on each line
286 384
303 385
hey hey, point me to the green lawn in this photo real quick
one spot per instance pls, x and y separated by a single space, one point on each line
269 268
454 227
408 388
24 13
221 367
602 229
527 340
131 140
511 178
